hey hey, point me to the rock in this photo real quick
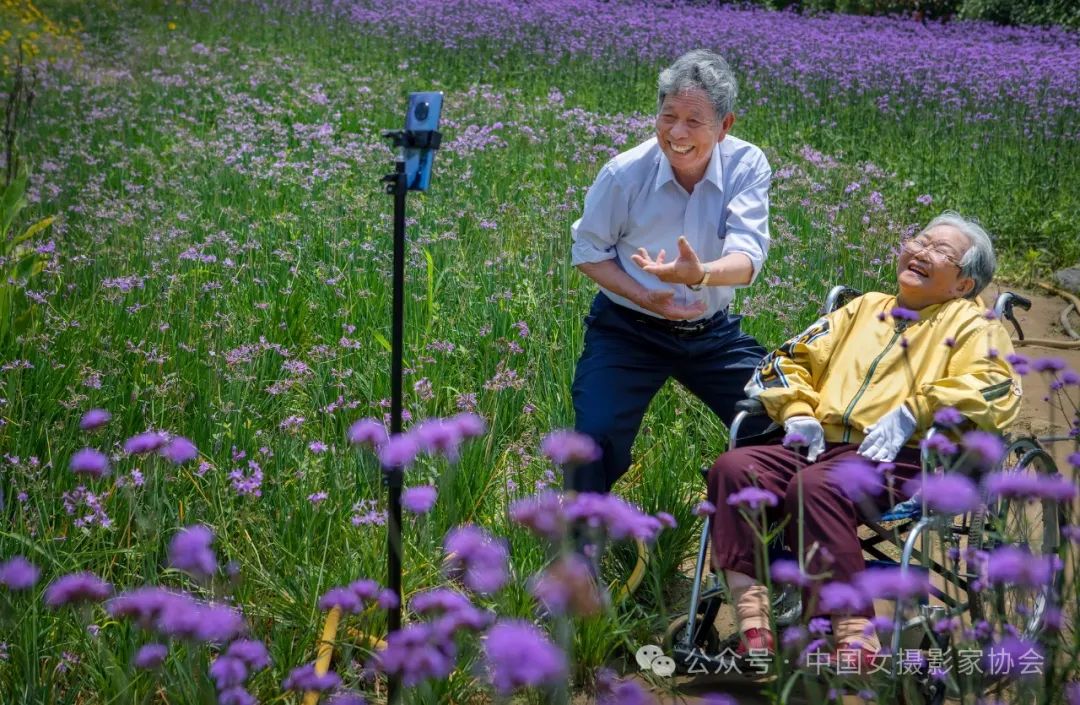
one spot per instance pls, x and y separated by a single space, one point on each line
1068 279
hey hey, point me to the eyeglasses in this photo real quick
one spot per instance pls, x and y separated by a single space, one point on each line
936 252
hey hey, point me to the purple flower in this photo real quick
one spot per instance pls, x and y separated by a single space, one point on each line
668 520
388 599
752 498
179 451
568 587
925 199
940 444
469 425
1022 485
436 436
18 574
615 516
144 443
190 551
477 557
419 500
367 432
794 440
948 416
1074 460
987 448
1014 657
76 587
519 655
318 447
399 451
611 690
95 418
900 313
1071 533
842 598
705 508
228 672
1010 565
1048 364
416 653
788 572
306 678
948 494
718 699
892 583
541 513
1021 365
236 696
150 656
251 652
90 462
343 599
570 448
856 478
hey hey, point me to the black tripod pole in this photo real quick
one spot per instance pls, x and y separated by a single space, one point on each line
393 477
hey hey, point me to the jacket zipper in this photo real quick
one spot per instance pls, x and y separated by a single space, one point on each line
846 419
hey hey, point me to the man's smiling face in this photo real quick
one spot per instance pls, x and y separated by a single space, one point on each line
687 129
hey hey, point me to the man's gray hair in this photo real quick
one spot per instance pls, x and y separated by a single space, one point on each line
978 261
705 70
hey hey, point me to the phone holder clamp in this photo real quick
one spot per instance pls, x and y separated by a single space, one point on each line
414 139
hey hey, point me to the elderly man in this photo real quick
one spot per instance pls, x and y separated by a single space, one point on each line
864 382
702 195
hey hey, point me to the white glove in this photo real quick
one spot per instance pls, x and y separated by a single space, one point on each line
809 428
885 438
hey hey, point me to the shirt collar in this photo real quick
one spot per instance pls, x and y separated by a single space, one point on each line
714 173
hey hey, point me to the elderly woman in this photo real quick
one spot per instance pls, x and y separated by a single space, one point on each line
864 382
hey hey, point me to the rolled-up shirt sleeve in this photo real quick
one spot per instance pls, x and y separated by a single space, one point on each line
602 222
748 217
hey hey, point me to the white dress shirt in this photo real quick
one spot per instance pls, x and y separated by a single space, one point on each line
636 202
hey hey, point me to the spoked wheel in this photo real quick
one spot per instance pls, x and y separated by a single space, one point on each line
706 642
1031 526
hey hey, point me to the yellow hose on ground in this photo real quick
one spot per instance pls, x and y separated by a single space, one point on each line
636 575
326 650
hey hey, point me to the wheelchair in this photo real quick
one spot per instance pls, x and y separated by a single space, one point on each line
901 537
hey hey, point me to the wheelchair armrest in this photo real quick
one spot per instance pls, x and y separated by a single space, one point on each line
1003 308
752 407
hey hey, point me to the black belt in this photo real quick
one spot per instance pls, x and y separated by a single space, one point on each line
681 328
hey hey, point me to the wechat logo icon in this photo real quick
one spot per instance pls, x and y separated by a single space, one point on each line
651 658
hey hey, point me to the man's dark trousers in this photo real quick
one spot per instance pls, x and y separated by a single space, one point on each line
628 356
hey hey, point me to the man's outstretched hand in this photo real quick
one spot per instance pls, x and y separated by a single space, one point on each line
662 303
685 269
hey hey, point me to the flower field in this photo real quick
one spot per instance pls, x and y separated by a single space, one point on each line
194 355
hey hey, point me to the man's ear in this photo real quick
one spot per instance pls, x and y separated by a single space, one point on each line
725 126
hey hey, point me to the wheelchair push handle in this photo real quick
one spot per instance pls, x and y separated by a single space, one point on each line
1003 308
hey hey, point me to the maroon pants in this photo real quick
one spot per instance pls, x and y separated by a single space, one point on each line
829 518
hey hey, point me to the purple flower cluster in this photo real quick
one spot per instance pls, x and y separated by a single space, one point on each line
569 448
857 478
90 462
518 655
1010 565
419 500
178 615
1029 486
190 551
307 677
948 493
76 587
18 574
752 499
567 586
433 436
477 558
354 596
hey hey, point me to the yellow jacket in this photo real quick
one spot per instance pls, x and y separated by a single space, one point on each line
858 363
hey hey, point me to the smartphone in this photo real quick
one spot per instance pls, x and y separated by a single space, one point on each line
422 115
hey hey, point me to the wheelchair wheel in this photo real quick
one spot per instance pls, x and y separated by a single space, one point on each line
706 636
1034 527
